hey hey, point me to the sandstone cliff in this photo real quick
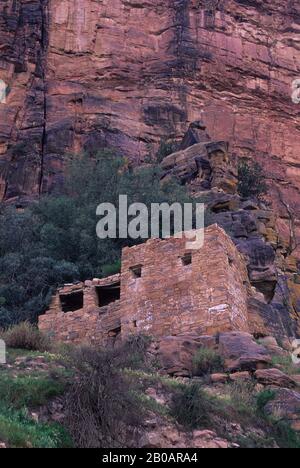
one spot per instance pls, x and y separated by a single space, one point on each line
84 74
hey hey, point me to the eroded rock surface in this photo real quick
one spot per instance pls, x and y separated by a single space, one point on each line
85 74
242 353
286 405
176 353
161 435
274 377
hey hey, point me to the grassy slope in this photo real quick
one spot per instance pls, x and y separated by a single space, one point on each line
23 389
32 379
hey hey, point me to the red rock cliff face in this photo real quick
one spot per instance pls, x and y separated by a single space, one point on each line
84 74
23 39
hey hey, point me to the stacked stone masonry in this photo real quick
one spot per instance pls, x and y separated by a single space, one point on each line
163 289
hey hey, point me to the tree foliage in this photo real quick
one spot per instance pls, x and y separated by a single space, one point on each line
54 241
252 180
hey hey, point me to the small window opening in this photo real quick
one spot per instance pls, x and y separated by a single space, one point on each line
71 302
187 259
136 271
108 294
135 324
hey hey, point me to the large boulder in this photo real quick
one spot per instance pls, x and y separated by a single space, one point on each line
176 353
286 405
242 353
205 165
274 377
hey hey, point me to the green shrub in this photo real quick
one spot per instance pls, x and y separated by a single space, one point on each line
192 407
25 336
19 431
253 440
207 361
20 391
286 364
252 180
263 398
242 399
112 269
285 436
280 430
134 351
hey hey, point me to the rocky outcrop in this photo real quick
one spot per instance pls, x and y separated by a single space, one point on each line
176 353
85 74
158 434
241 352
274 377
204 166
286 406
23 38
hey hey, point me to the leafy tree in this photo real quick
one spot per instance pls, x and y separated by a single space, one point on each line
252 180
54 241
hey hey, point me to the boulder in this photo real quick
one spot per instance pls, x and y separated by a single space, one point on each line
296 378
219 378
240 376
205 165
208 439
176 353
274 377
160 434
271 344
242 353
223 202
286 405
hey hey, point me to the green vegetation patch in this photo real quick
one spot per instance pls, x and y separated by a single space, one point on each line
29 391
18 430
207 361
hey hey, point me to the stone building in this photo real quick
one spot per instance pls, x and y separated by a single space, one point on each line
163 289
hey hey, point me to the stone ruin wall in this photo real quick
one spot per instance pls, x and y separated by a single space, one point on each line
89 323
207 296
165 290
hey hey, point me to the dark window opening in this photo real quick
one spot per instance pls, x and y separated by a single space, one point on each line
135 324
187 259
71 302
136 271
108 294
